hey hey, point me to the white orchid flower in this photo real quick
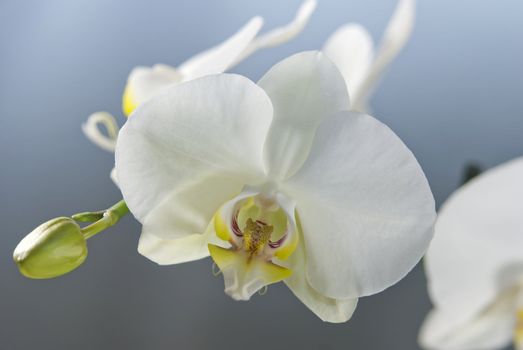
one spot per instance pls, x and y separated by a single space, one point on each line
351 48
277 181
474 265
145 82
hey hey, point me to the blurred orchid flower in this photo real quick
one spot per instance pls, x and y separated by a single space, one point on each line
351 48
145 82
277 181
474 265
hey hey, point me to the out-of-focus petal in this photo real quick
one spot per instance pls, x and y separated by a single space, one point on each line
365 206
352 50
144 82
477 251
488 330
394 38
113 176
219 58
304 89
283 34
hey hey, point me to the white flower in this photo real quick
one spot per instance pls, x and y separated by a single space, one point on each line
279 181
351 48
475 264
145 82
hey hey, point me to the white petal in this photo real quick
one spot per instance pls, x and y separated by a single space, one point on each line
92 131
365 206
490 329
188 208
351 48
144 82
172 251
113 176
168 251
304 89
209 130
219 58
478 247
327 309
394 38
281 35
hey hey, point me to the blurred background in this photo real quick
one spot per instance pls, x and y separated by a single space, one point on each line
454 95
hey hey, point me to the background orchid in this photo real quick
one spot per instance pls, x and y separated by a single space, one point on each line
145 82
351 48
277 181
475 265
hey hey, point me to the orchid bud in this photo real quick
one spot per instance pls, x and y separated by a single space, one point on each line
54 248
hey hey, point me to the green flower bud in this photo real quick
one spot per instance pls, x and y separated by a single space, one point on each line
54 248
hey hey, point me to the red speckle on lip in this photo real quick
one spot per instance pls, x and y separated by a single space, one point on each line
278 242
234 225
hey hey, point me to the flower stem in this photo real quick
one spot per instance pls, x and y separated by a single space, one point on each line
107 218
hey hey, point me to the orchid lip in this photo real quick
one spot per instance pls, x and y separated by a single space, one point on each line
259 226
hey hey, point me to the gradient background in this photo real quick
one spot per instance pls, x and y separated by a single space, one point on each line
453 95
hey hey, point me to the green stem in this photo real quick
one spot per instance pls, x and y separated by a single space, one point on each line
109 218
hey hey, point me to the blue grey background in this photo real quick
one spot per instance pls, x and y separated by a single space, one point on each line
453 95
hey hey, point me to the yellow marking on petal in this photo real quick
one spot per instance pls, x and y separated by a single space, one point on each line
221 228
129 103
275 273
247 266
222 257
288 247
518 330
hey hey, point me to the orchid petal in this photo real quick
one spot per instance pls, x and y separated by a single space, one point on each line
209 130
327 309
283 34
351 48
490 329
168 251
113 176
221 57
189 207
305 89
244 275
144 82
478 247
173 251
394 38
366 208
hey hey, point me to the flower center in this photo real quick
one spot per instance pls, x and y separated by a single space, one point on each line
256 236
257 229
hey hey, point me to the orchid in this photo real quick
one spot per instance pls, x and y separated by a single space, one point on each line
276 181
351 48
474 265
145 82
